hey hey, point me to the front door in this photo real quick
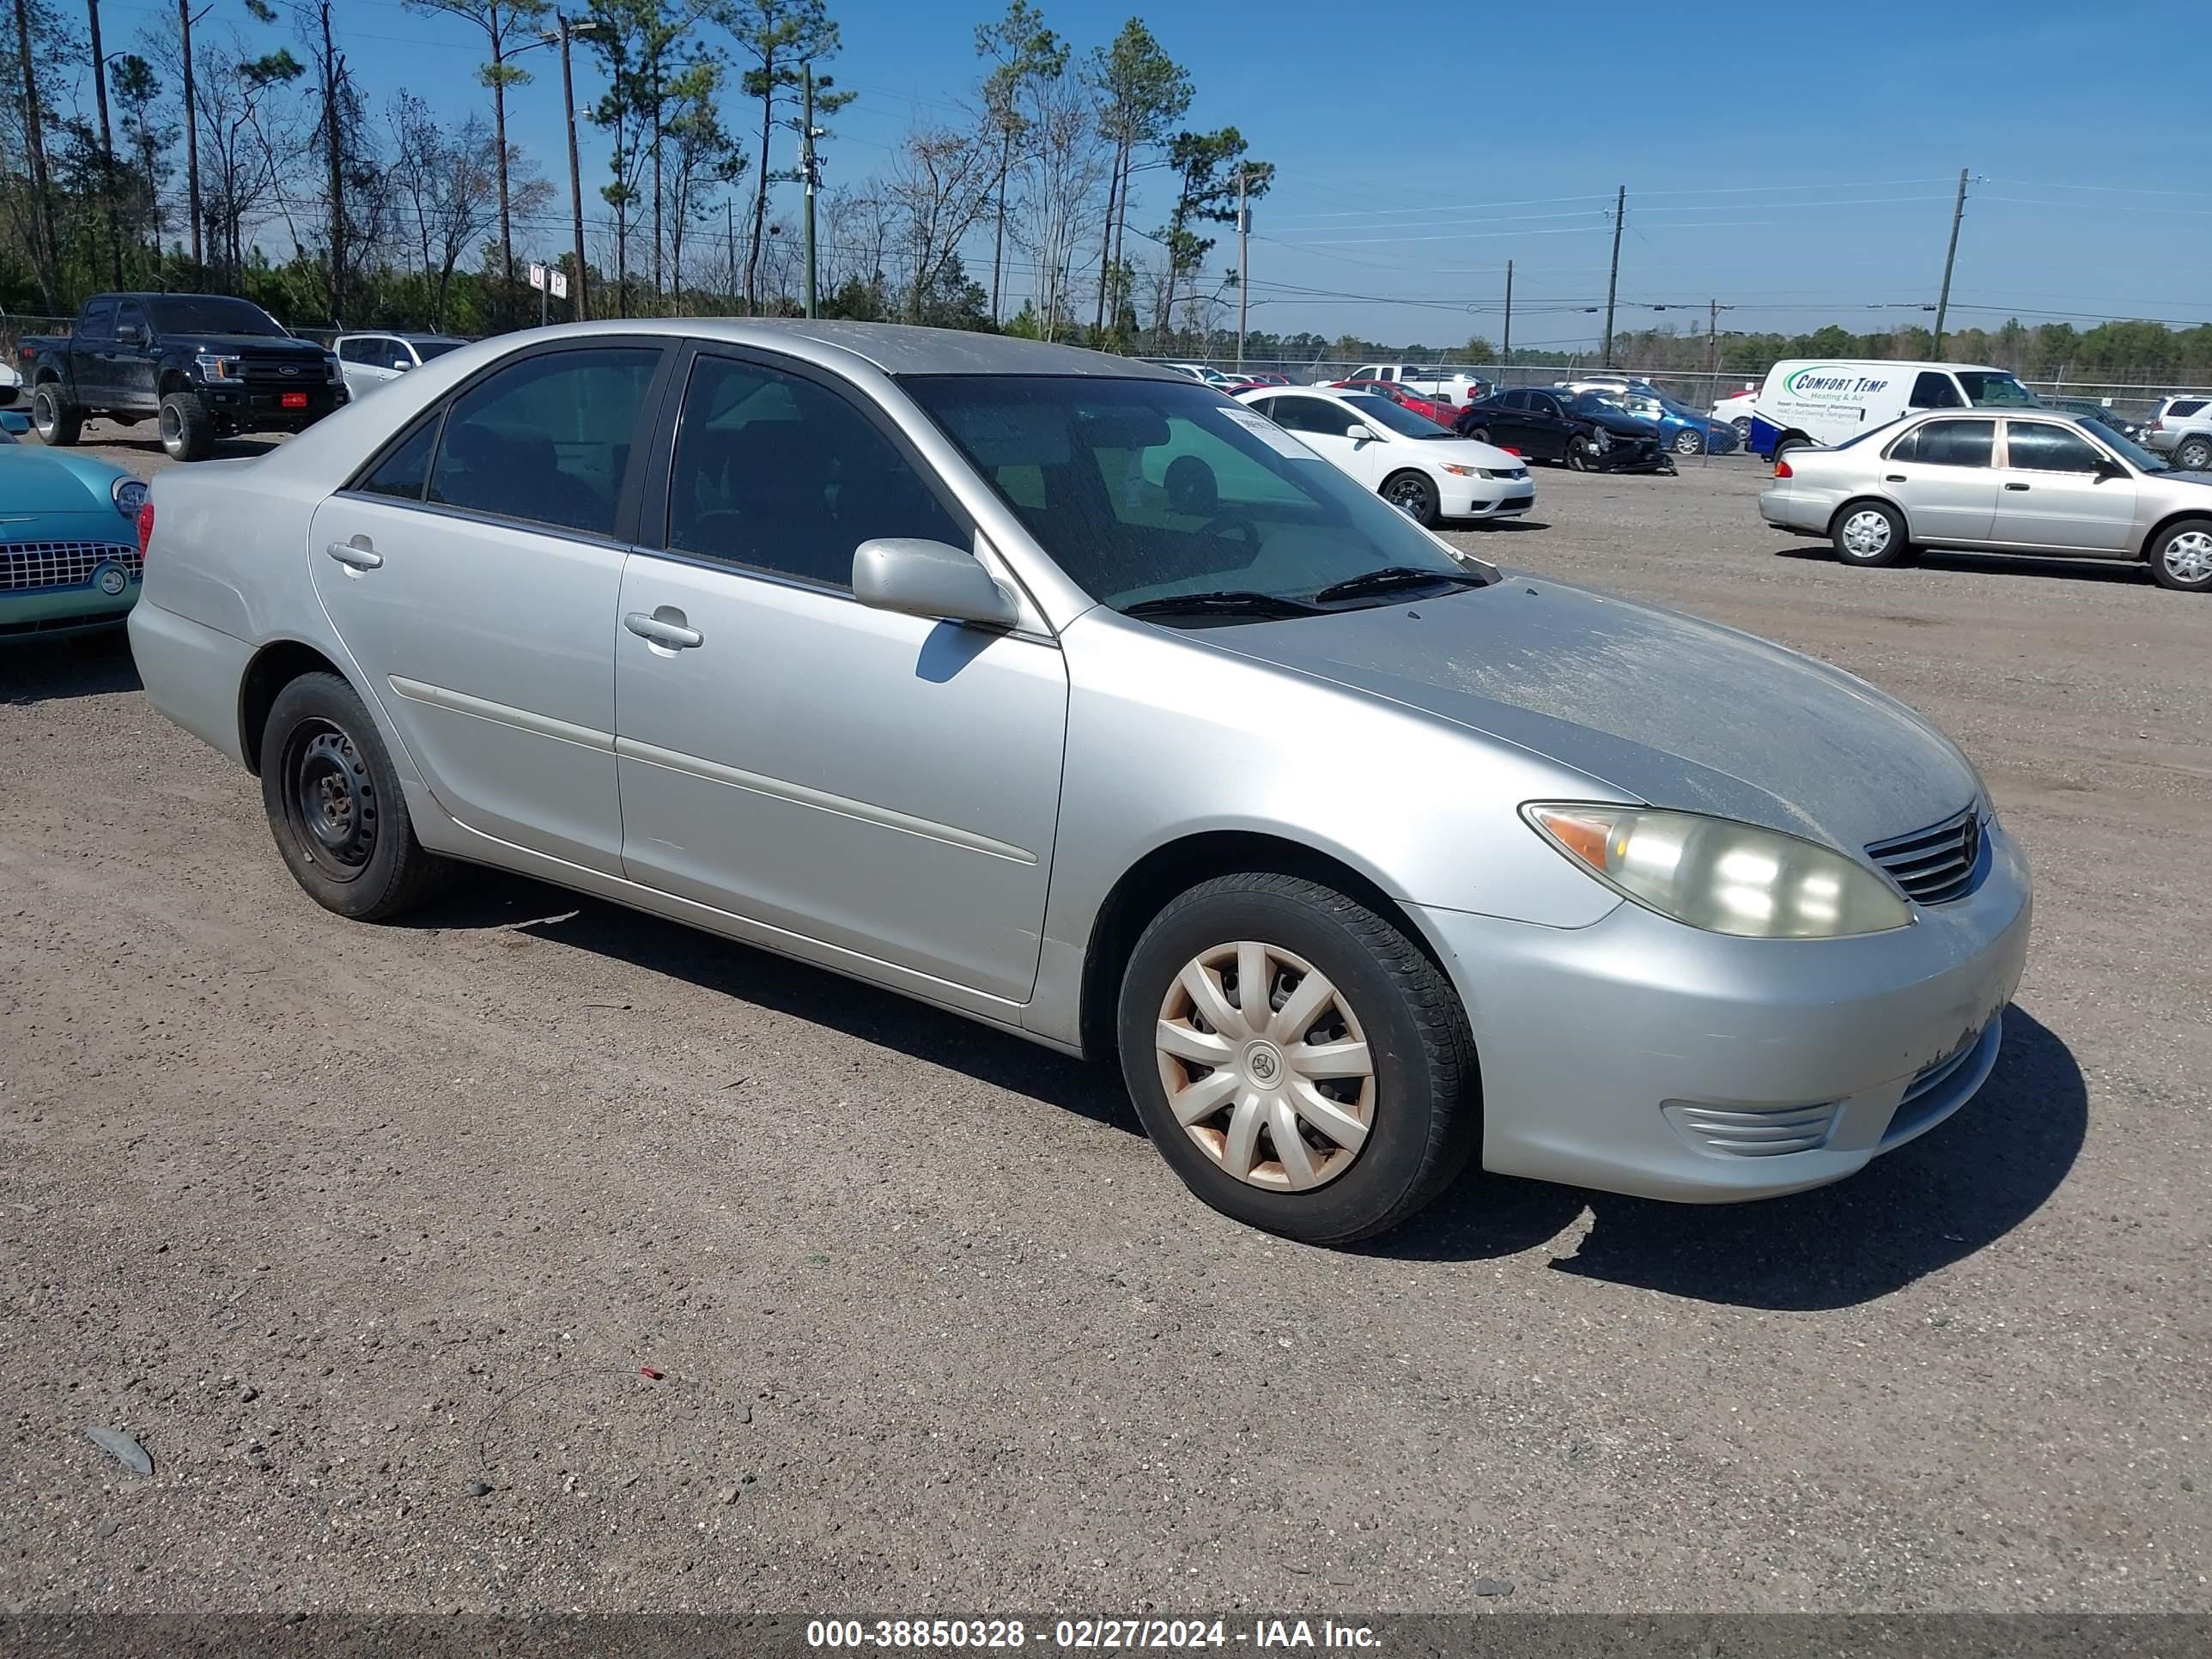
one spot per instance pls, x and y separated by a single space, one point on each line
884 784
2056 490
133 385
1943 474
475 574
1325 427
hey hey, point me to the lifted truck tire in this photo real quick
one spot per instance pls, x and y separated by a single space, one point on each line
187 428
58 420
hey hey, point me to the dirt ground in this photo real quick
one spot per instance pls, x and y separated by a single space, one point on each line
365 1233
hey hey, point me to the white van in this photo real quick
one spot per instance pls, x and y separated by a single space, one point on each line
1811 400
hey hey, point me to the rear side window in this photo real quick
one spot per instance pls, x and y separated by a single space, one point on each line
1949 443
547 439
2185 405
406 468
355 351
1935 391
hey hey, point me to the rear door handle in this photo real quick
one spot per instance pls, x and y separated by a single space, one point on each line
1893 478
355 554
2015 486
672 635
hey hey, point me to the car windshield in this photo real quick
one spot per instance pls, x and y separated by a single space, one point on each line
1986 389
207 314
1379 411
2133 453
427 349
1597 403
1146 491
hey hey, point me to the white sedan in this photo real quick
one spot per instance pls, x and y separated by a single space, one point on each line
1735 411
1413 462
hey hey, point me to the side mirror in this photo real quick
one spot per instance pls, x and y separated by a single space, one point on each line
1360 434
2109 468
919 578
401 364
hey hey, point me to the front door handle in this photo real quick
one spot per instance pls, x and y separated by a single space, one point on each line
355 554
2015 486
1893 478
672 635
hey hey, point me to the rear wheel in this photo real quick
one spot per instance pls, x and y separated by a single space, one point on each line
2181 558
1869 534
1742 425
58 421
1479 433
187 428
1788 441
1413 495
1687 443
1299 1062
2193 454
335 806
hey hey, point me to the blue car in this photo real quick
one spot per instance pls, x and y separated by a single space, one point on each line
69 539
1682 430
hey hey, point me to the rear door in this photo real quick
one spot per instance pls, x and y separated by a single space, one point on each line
474 571
2054 491
1943 474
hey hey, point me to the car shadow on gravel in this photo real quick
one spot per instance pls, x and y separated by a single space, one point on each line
82 665
496 899
145 438
2136 575
1910 1212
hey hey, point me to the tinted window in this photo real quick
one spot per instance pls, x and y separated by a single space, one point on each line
2042 448
98 322
778 472
358 350
1935 391
1383 412
208 314
1955 443
130 315
406 468
1514 399
427 349
1314 415
1986 389
1545 405
548 438
2185 405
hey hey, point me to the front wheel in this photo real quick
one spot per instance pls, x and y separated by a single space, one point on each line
334 803
1869 534
1687 443
1582 454
2193 454
1299 1060
58 421
2182 559
1413 496
187 428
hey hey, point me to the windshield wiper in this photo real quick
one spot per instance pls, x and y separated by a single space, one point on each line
1228 602
1393 577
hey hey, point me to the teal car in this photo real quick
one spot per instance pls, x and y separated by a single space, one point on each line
69 539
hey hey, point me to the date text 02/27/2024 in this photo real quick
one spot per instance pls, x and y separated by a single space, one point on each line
1084 1635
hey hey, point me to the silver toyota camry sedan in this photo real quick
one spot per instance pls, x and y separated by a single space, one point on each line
1071 695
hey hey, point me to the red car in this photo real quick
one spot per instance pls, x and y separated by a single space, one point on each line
1442 411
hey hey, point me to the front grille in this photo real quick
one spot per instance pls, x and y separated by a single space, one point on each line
1938 864
262 371
25 565
1752 1131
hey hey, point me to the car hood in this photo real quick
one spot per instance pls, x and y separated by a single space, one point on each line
1670 710
259 346
33 482
1621 426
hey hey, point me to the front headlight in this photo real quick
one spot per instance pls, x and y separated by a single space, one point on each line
1719 875
1480 472
129 495
214 368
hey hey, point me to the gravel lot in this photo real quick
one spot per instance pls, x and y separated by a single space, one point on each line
365 1233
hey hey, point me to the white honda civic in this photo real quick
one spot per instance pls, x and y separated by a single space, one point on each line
1413 462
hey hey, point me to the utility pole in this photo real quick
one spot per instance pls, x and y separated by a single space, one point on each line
1944 304
729 236
808 168
1244 275
106 143
1613 281
1505 351
1713 340
575 174
191 125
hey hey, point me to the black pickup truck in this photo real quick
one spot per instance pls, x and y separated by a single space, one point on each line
204 365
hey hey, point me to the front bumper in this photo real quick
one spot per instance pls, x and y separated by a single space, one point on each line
251 406
1634 455
1638 1055
50 612
1490 498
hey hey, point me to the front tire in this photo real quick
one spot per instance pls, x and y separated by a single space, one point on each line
2193 454
1582 455
2181 559
335 806
1297 1060
1687 443
1414 496
1869 534
187 428
58 421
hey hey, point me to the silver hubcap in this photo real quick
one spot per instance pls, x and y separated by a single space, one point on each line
2188 557
2193 457
1266 1066
173 429
1866 534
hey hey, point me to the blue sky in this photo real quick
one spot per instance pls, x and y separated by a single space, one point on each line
1797 161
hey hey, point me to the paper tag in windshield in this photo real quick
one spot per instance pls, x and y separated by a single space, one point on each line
1271 434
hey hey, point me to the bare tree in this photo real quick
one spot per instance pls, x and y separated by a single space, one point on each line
249 134
1059 185
447 189
943 181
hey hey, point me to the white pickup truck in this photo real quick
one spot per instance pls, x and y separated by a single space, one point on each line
1462 386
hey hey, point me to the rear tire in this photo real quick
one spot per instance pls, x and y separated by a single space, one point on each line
335 806
2193 454
1687 443
1479 433
2181 557
1413 495
1393 1062
187 428
1869 534
58 421
1788 441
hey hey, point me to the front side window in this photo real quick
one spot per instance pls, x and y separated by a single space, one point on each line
777 472
1952 443
1143 491
2037 446
1324 415
1935 391
130 321
546 440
